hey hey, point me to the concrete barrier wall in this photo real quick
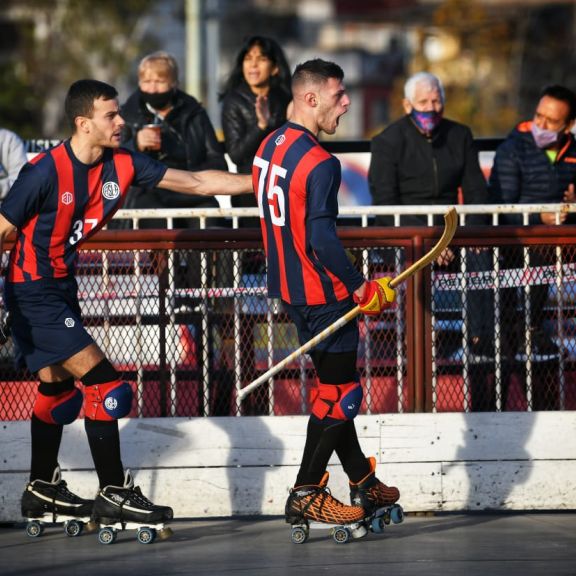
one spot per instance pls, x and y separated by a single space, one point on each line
245 466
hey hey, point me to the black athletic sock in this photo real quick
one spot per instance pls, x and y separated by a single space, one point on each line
104 441
322 437
354 462
46 440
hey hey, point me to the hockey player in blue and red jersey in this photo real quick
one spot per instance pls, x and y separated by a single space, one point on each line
61 198
296 183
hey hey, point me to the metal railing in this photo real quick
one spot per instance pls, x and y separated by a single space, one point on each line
185 315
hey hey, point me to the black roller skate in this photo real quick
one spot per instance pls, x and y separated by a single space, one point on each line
51 502
124 508
377 499
313 507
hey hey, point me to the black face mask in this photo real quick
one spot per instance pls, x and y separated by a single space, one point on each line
158 100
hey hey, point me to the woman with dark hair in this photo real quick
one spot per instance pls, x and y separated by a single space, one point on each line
255 102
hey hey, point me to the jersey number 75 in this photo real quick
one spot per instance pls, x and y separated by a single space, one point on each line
274 194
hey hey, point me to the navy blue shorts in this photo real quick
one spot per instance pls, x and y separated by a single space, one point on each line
311 320
46 321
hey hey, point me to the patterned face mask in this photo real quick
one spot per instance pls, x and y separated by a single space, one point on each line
544 138
426 121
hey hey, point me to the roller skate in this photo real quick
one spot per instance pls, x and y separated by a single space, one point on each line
313 507
51 502
124 508
377 499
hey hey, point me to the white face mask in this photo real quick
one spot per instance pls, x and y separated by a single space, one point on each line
544 138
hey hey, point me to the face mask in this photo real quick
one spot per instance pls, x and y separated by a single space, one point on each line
544 138
426 121
158 100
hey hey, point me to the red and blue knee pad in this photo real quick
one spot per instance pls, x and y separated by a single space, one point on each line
58 402
338 401
108 401
107 397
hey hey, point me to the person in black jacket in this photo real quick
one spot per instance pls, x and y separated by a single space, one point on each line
536 164
255 102
426 159
171 126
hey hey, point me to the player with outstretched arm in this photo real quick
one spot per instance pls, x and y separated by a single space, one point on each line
61 198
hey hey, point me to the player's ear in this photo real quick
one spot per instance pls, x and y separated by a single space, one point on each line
82 124
311 99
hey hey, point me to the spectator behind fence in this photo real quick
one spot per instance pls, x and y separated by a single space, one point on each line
423 159
536 164
169 125
255 102
12 158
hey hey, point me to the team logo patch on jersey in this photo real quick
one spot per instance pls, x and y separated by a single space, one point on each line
110 190
280 140
67 198
69 322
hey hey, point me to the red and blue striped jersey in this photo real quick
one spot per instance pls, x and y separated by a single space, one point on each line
296 183
57 202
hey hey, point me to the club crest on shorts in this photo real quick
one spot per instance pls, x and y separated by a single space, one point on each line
67 198
110 190
69 322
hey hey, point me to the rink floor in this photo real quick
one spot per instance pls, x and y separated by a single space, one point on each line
468 545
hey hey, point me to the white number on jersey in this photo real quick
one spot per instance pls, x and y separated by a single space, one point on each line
78 229
274 193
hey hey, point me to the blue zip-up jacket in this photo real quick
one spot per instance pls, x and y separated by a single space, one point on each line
524 174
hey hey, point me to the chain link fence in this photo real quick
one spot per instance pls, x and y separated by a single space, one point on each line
188 323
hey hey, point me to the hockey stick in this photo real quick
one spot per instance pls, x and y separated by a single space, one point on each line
450 225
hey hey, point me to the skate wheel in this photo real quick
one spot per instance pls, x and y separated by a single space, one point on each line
73 528
106 536
341 535
146 535
397 514
378 525
165 533
34 529
299 535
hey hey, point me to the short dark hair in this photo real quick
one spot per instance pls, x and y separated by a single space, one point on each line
564 95
81 95
317 71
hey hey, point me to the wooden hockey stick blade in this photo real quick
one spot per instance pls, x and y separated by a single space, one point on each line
450 225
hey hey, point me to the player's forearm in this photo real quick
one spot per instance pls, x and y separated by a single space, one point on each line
207 182
331 254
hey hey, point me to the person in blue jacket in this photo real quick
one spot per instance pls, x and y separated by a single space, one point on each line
536 164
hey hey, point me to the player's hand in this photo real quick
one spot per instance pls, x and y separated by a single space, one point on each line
378 295
4 329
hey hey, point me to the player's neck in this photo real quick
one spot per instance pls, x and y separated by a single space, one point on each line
305 121
84 151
